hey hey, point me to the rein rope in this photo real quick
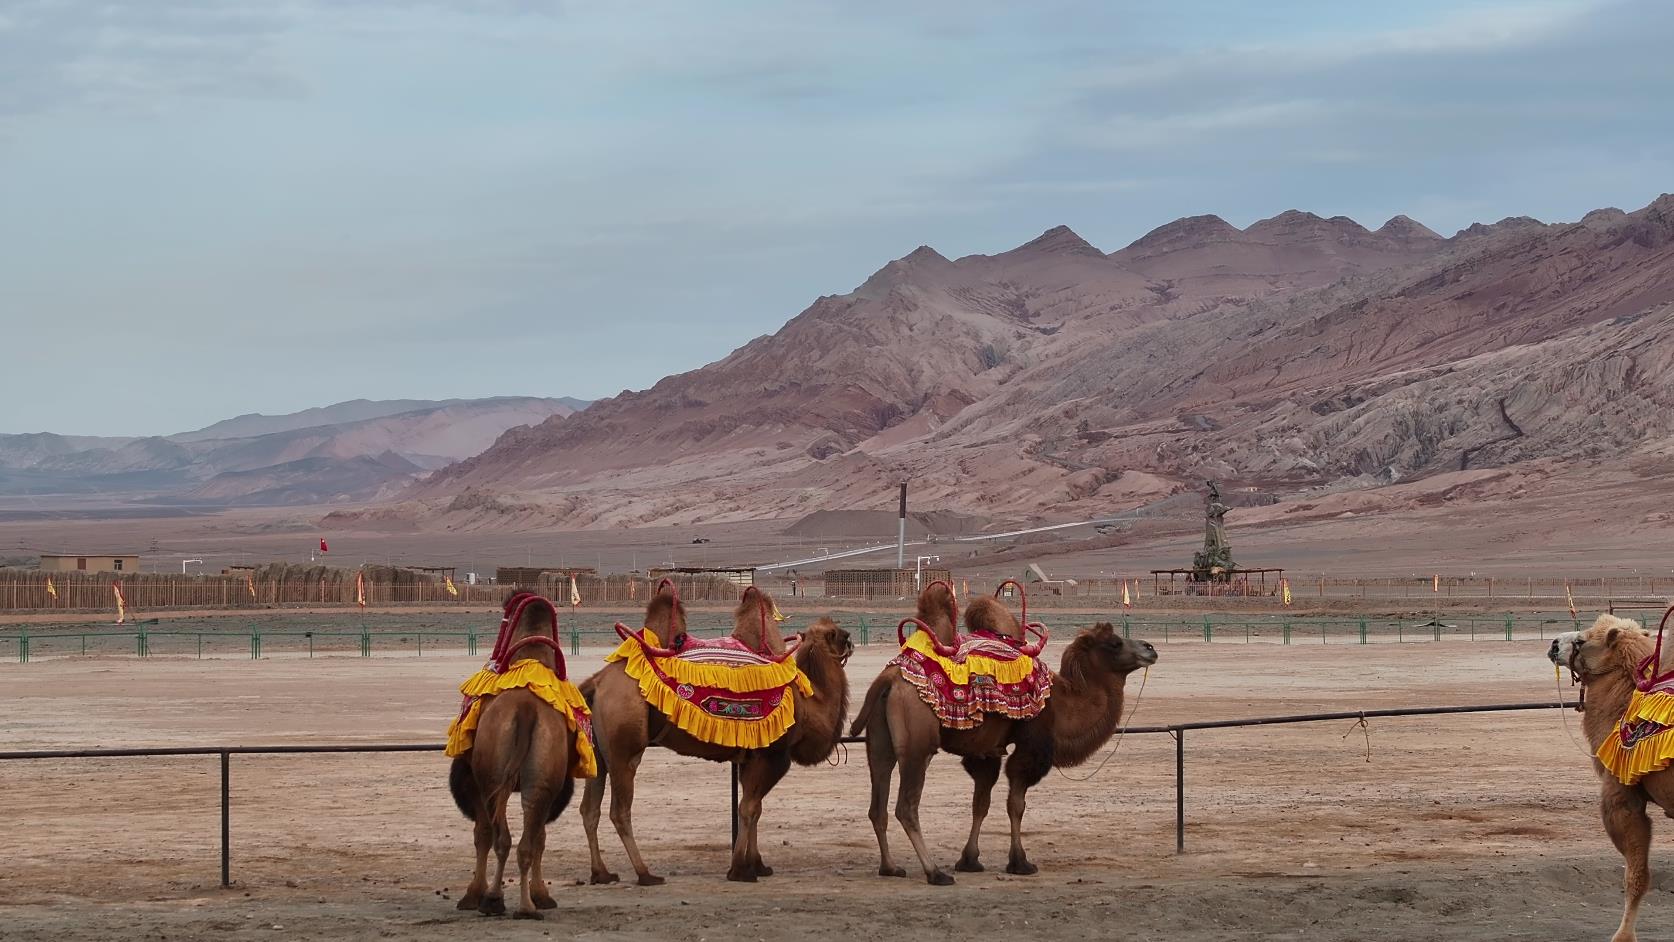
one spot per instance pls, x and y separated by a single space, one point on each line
1563 708
1119 736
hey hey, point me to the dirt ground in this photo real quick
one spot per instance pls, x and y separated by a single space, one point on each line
1470 827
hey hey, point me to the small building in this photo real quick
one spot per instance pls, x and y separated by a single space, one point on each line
741 576
90 562
528 577
880 583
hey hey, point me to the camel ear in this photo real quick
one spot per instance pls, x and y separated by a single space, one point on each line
1611 636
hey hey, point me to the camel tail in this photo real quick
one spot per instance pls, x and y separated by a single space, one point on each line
463 785
565 793
874 696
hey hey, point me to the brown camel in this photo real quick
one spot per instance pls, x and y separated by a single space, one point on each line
625 725
1604 658
523 745
1082 714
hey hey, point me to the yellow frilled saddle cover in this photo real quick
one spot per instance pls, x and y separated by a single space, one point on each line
985 675
1643 741
718 691
539 680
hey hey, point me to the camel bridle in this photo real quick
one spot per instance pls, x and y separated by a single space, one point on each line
505 649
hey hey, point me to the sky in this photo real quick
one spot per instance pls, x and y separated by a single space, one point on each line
214 208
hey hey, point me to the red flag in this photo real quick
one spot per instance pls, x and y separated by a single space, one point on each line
360 589
322 544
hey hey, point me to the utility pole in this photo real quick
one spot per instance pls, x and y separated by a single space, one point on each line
901 532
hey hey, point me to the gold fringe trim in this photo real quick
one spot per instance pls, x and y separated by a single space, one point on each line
539 680
691 719
1003 672
1648 755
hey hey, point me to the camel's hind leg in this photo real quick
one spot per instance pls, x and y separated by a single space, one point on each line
536 802
622 813
984 772
916 735
880 762
757 774
1630 830
592 801
494 901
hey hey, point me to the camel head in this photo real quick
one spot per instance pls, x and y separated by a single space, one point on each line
827 637
992 616
755 622
1103 647
1610 646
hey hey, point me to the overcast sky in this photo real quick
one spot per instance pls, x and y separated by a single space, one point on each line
211 208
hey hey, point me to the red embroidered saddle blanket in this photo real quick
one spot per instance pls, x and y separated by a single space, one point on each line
985 675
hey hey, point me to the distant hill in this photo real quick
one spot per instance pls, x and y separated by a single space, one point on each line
349 451
1299 354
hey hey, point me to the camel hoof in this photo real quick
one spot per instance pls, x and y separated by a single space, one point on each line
545 902
892 871
763 870
646 879
468 902
940 877
527 914
1022 868
742 875
492 906
604 876
969 865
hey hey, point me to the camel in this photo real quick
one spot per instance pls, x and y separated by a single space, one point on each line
521 744
626 725
1081 716
1604 657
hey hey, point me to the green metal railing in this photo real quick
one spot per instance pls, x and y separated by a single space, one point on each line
29 643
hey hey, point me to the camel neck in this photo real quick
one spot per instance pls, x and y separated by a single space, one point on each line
1087 704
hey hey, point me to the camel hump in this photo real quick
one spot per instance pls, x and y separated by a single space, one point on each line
990 616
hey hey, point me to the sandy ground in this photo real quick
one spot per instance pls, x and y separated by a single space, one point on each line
1460 828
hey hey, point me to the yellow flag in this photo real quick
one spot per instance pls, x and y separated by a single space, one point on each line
447 582
1127 600
1571 596
777 615
1435 583
575 593
52 590
360 589
1284 587
121 603
250 583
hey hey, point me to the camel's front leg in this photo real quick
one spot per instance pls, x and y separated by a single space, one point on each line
984 772
757 775
1630 830
483 832
1030 760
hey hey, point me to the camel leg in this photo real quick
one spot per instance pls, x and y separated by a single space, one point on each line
483 831
913 768
536 802
984 772
494 903
757 775
537 880
1630 830
592 801
880 762
1031 759
622 813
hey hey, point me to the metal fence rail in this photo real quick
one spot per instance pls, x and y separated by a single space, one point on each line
1176 730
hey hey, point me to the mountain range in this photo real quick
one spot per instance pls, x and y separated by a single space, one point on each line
1296 357
351 451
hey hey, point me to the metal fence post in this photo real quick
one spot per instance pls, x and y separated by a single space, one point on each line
1362 631
23 645
1208 630
1179 790
734 804
226 818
